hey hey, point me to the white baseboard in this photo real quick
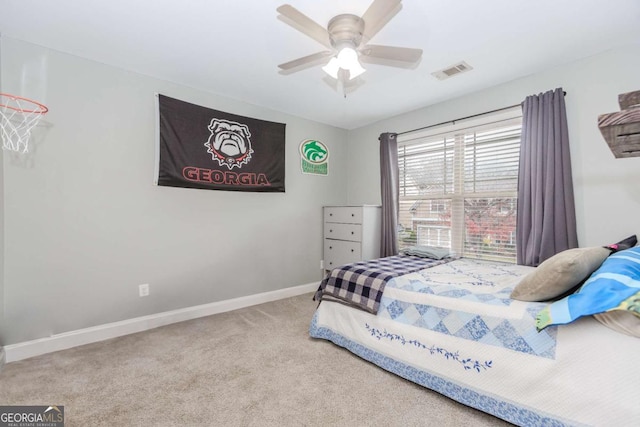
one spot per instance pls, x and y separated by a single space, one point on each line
24 350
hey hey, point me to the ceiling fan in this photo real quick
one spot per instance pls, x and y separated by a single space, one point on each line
347 37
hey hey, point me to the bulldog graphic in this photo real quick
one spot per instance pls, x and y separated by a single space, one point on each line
229 143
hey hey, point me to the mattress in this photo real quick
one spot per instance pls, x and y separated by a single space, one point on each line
453 328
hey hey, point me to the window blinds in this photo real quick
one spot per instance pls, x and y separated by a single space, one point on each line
458 189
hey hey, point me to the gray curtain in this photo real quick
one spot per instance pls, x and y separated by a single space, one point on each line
390 188
546 219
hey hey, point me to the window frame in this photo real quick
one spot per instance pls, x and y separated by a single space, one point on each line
457 195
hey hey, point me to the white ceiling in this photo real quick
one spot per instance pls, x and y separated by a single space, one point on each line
233 47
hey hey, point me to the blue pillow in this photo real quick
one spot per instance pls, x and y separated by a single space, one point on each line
613 286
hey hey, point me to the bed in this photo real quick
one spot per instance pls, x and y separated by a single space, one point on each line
450 325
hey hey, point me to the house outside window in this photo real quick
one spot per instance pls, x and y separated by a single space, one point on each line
458 186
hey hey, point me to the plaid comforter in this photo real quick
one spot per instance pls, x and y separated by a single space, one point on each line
361 284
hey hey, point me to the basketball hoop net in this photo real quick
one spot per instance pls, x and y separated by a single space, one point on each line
17 117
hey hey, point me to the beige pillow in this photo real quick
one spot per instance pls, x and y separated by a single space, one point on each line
625 322
559 274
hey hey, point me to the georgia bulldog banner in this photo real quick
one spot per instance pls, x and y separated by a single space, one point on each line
203 148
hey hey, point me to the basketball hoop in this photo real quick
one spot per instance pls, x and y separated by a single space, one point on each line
17 117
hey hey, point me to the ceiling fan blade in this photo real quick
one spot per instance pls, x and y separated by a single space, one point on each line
391 53
301 22
305 62
377 15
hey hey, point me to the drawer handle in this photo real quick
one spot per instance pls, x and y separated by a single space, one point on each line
330 263
330 247
352 232
353 214
351 250
330 214
330 231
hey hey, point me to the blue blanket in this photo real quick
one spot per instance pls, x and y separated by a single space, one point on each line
361 284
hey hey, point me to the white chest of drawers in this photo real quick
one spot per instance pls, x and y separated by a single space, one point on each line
351 234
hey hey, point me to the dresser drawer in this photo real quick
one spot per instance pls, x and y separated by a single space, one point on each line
335 230
346 214
340 252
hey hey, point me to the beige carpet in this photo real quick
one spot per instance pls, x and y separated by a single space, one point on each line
252 367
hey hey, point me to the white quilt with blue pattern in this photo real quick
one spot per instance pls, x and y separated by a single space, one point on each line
453 329
469 299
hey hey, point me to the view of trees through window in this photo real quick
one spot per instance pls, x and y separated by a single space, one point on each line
458 190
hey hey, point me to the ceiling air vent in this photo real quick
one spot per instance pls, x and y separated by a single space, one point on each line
451 71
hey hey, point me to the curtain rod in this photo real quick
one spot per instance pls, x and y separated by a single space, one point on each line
464 118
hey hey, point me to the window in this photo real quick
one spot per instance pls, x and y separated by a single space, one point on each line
458 187
437 206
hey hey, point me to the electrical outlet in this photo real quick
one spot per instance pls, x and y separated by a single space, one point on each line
321 264
144 290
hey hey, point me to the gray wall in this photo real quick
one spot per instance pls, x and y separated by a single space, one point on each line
607 190
2 321
84 224
2 270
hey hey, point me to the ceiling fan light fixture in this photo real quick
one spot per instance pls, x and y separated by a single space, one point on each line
332 68
347 37
347 59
